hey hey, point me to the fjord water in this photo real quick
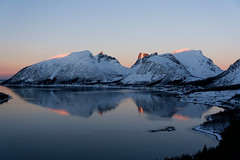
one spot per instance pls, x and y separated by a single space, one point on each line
90 124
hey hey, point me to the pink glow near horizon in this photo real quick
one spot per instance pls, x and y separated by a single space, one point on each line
6 76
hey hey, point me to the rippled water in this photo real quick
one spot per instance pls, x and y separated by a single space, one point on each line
88 123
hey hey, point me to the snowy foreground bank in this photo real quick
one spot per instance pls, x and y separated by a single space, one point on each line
228 99
199 128
215 124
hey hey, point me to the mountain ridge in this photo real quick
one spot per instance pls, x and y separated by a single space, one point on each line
179 67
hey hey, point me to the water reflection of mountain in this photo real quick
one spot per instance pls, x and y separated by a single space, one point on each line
84 102
161 105
71 101
166 106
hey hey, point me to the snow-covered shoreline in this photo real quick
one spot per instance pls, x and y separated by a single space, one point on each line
226 99
143 88
199 129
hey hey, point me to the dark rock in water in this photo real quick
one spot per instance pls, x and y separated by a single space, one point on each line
168 129
4 97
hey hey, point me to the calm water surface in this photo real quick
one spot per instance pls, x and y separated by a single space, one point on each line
90 124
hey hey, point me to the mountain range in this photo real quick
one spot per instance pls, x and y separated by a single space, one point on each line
82 68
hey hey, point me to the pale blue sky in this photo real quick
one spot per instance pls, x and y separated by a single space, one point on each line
34 30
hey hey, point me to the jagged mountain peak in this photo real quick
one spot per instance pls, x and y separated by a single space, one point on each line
159 69
141 55
104 57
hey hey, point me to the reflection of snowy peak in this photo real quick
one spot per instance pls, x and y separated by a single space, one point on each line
155 104
157 69
197 64
77 67
72 101
229 77
84 102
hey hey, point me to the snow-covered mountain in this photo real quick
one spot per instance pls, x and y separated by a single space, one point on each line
182 65
83 68
229 77
154 68
197 64
77 67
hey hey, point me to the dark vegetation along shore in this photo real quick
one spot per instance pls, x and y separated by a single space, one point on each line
228 148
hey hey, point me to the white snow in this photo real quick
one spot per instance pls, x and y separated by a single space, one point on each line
199 128
230 77
164 68
82 65
184 65
197 64
218 98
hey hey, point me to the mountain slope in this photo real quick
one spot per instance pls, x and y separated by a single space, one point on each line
197 64
77 67
84 68
156 68
230 77
182 65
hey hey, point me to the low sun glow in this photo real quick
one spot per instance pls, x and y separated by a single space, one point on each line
60 56
141 55
181 50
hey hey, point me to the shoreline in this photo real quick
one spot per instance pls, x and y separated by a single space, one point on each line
217 135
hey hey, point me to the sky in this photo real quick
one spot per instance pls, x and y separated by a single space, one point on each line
35 30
